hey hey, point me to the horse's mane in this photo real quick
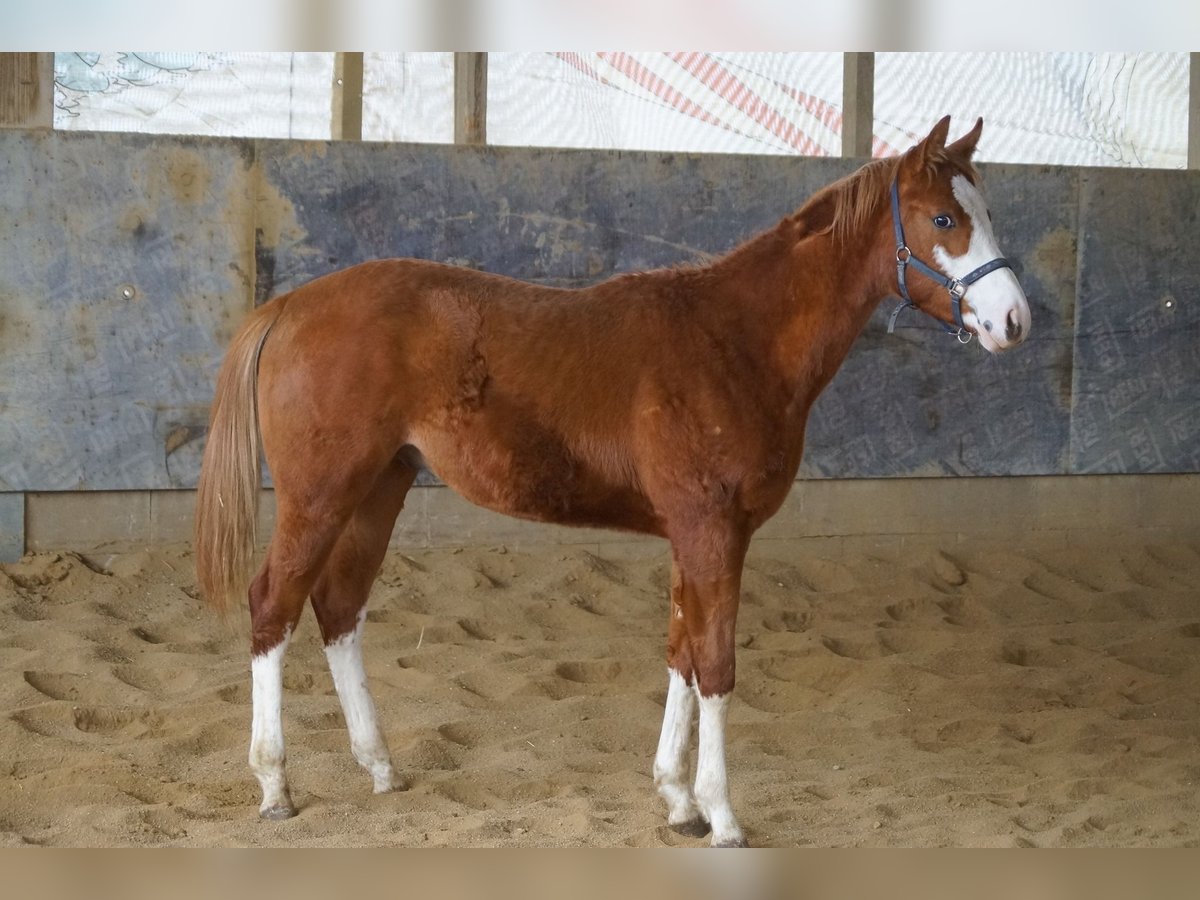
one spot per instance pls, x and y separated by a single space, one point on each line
857 198
842 209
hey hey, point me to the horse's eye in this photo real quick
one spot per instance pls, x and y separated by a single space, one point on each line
943 221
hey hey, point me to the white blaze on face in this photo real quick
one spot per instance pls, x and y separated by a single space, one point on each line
996 296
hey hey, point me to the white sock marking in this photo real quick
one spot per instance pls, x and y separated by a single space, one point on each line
267 756
350 678
712 784
671 760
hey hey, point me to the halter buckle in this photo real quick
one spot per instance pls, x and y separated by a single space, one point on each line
957 289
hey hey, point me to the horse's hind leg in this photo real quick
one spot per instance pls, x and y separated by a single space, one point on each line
339 600
298 550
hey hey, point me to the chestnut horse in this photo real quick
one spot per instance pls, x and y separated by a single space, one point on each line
671 403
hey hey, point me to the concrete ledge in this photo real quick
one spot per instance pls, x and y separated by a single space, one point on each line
87 519
12 526
1024 508
1028 511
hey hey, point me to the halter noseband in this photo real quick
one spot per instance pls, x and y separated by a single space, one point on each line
957 287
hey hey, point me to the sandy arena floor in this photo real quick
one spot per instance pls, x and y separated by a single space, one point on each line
957 697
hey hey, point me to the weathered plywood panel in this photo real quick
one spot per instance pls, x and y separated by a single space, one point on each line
127 264
1137 339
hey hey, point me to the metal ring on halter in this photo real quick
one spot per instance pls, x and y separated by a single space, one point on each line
903 249
959 334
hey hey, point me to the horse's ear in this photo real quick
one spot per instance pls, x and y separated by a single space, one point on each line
965 145
935 141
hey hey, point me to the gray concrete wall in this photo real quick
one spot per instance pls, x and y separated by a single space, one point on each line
127 261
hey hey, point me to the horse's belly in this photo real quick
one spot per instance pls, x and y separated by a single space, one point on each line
534 477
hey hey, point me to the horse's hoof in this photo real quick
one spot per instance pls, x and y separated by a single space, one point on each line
393 784
696 827
277 813
732 842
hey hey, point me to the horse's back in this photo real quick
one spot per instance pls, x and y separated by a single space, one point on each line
517 395
460 333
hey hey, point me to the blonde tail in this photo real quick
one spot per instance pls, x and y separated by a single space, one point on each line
227 498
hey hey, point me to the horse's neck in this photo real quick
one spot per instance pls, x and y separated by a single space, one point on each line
808 300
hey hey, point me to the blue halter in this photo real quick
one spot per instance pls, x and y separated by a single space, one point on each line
957 287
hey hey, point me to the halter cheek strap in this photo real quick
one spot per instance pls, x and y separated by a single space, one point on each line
957 287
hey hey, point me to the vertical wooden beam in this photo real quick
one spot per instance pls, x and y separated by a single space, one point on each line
470 98
1193 151
858 103
347 97
26 90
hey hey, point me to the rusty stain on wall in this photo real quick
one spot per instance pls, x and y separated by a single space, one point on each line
275 222
1054 258
188 175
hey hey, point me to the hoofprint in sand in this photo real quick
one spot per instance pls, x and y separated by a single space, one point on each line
949 696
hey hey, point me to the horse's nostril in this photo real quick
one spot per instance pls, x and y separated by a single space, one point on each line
1014 329
987 324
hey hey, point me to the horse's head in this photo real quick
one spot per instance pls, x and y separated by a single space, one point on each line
948 263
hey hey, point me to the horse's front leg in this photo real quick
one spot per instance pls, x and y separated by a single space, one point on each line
711 574
672 773
712 779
